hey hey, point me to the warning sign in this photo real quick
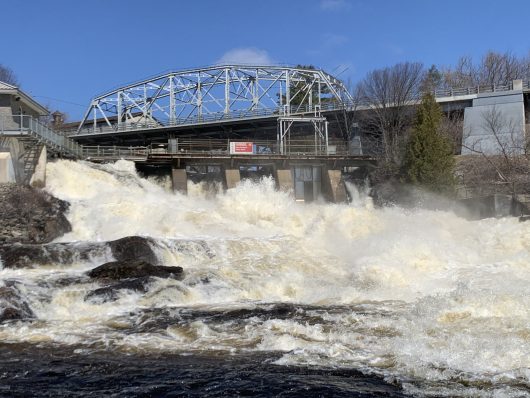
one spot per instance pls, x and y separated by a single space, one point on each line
241 148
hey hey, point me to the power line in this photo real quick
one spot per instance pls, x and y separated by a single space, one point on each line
59 100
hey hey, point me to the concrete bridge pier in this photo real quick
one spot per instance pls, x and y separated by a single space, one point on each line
334 185
179 180
232 178
284 180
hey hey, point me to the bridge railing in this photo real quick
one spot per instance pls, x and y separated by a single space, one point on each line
259 147
490 88
114 152
215 147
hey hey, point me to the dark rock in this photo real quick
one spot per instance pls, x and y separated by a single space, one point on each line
111 292
118 270
395 193
12 305
19 255
26 256
127 275
31 215
134 248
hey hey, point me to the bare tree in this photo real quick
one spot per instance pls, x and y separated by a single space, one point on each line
462 75
390 94
8 76
494 69
346 119
497 69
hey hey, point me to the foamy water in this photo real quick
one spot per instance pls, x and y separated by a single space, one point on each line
425 298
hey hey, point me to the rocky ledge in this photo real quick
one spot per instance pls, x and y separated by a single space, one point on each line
30 215
135 275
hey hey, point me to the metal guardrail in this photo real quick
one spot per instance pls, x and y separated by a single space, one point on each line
114 152
212 148
491 88
28 126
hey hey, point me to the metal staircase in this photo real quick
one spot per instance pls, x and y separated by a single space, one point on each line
30 157
34 135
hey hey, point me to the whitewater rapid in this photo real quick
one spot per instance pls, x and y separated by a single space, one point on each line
437 303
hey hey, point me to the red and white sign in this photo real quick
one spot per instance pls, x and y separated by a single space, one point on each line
241 148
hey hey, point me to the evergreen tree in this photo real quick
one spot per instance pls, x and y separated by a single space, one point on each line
429 161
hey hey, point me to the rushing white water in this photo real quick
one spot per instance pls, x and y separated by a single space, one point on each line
436 302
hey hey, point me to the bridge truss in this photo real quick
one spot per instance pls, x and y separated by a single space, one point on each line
214 93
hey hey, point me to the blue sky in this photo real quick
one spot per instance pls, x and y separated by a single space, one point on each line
64 52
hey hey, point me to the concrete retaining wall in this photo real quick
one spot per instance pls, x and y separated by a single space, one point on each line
16 151
7 171
495 121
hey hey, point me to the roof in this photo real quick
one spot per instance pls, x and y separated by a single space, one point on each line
6 88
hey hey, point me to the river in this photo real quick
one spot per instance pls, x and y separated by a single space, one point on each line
278 299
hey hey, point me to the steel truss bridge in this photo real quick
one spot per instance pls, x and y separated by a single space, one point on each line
218 97
228 101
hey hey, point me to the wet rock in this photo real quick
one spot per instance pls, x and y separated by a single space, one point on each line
31 215
20 255
134 248
12 305
111 292
118 270
395 193
26 256
134 275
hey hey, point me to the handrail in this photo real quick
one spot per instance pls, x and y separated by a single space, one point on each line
27 125
213 147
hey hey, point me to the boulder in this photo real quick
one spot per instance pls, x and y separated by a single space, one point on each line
20 255
119 270
31 215
12 305
111 292
134 248
26 256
